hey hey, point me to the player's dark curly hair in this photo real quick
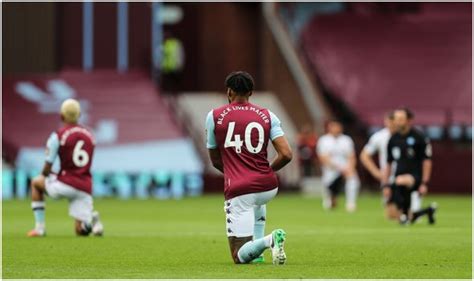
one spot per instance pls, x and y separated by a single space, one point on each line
240 82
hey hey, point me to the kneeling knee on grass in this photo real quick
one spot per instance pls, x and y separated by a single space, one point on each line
235 244
81 229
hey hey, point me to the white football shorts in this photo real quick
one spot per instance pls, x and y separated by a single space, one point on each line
80 202
239 212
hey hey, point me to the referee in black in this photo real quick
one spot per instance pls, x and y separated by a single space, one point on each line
409 160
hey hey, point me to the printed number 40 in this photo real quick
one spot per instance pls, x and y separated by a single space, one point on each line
238 143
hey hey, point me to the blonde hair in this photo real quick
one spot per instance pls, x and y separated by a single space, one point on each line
70 111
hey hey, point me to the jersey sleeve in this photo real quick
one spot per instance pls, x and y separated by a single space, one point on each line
350 143
52 147
427 150
389 150
322 147
275 131
372 145
210 135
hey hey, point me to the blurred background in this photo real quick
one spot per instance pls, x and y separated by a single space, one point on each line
146 74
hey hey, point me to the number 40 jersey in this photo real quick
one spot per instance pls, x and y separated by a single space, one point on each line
241 132
74 144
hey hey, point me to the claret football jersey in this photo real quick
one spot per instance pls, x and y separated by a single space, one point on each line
241 132
74 144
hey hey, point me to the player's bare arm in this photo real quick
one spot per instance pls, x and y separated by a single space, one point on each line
47 167
369 164
216 159
385 177
38 181
391 211
427 167
284 153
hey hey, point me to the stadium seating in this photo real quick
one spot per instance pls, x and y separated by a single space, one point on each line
420 60
110 96
133 126
376 56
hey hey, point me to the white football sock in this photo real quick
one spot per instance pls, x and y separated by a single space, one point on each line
352 187
415 205
268 240
253 249
38 211
259 222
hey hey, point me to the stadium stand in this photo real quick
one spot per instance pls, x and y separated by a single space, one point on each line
391 55
385 60
129 118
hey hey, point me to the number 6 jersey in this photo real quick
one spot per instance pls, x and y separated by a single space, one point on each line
75 146
241 132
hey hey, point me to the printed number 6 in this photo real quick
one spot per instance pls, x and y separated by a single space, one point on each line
80 156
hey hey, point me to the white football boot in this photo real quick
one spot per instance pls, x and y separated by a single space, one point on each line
97 226
277 246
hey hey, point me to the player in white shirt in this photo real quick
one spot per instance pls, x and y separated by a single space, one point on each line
337 155
378 143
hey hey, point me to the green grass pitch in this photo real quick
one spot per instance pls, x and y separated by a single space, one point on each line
186 239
